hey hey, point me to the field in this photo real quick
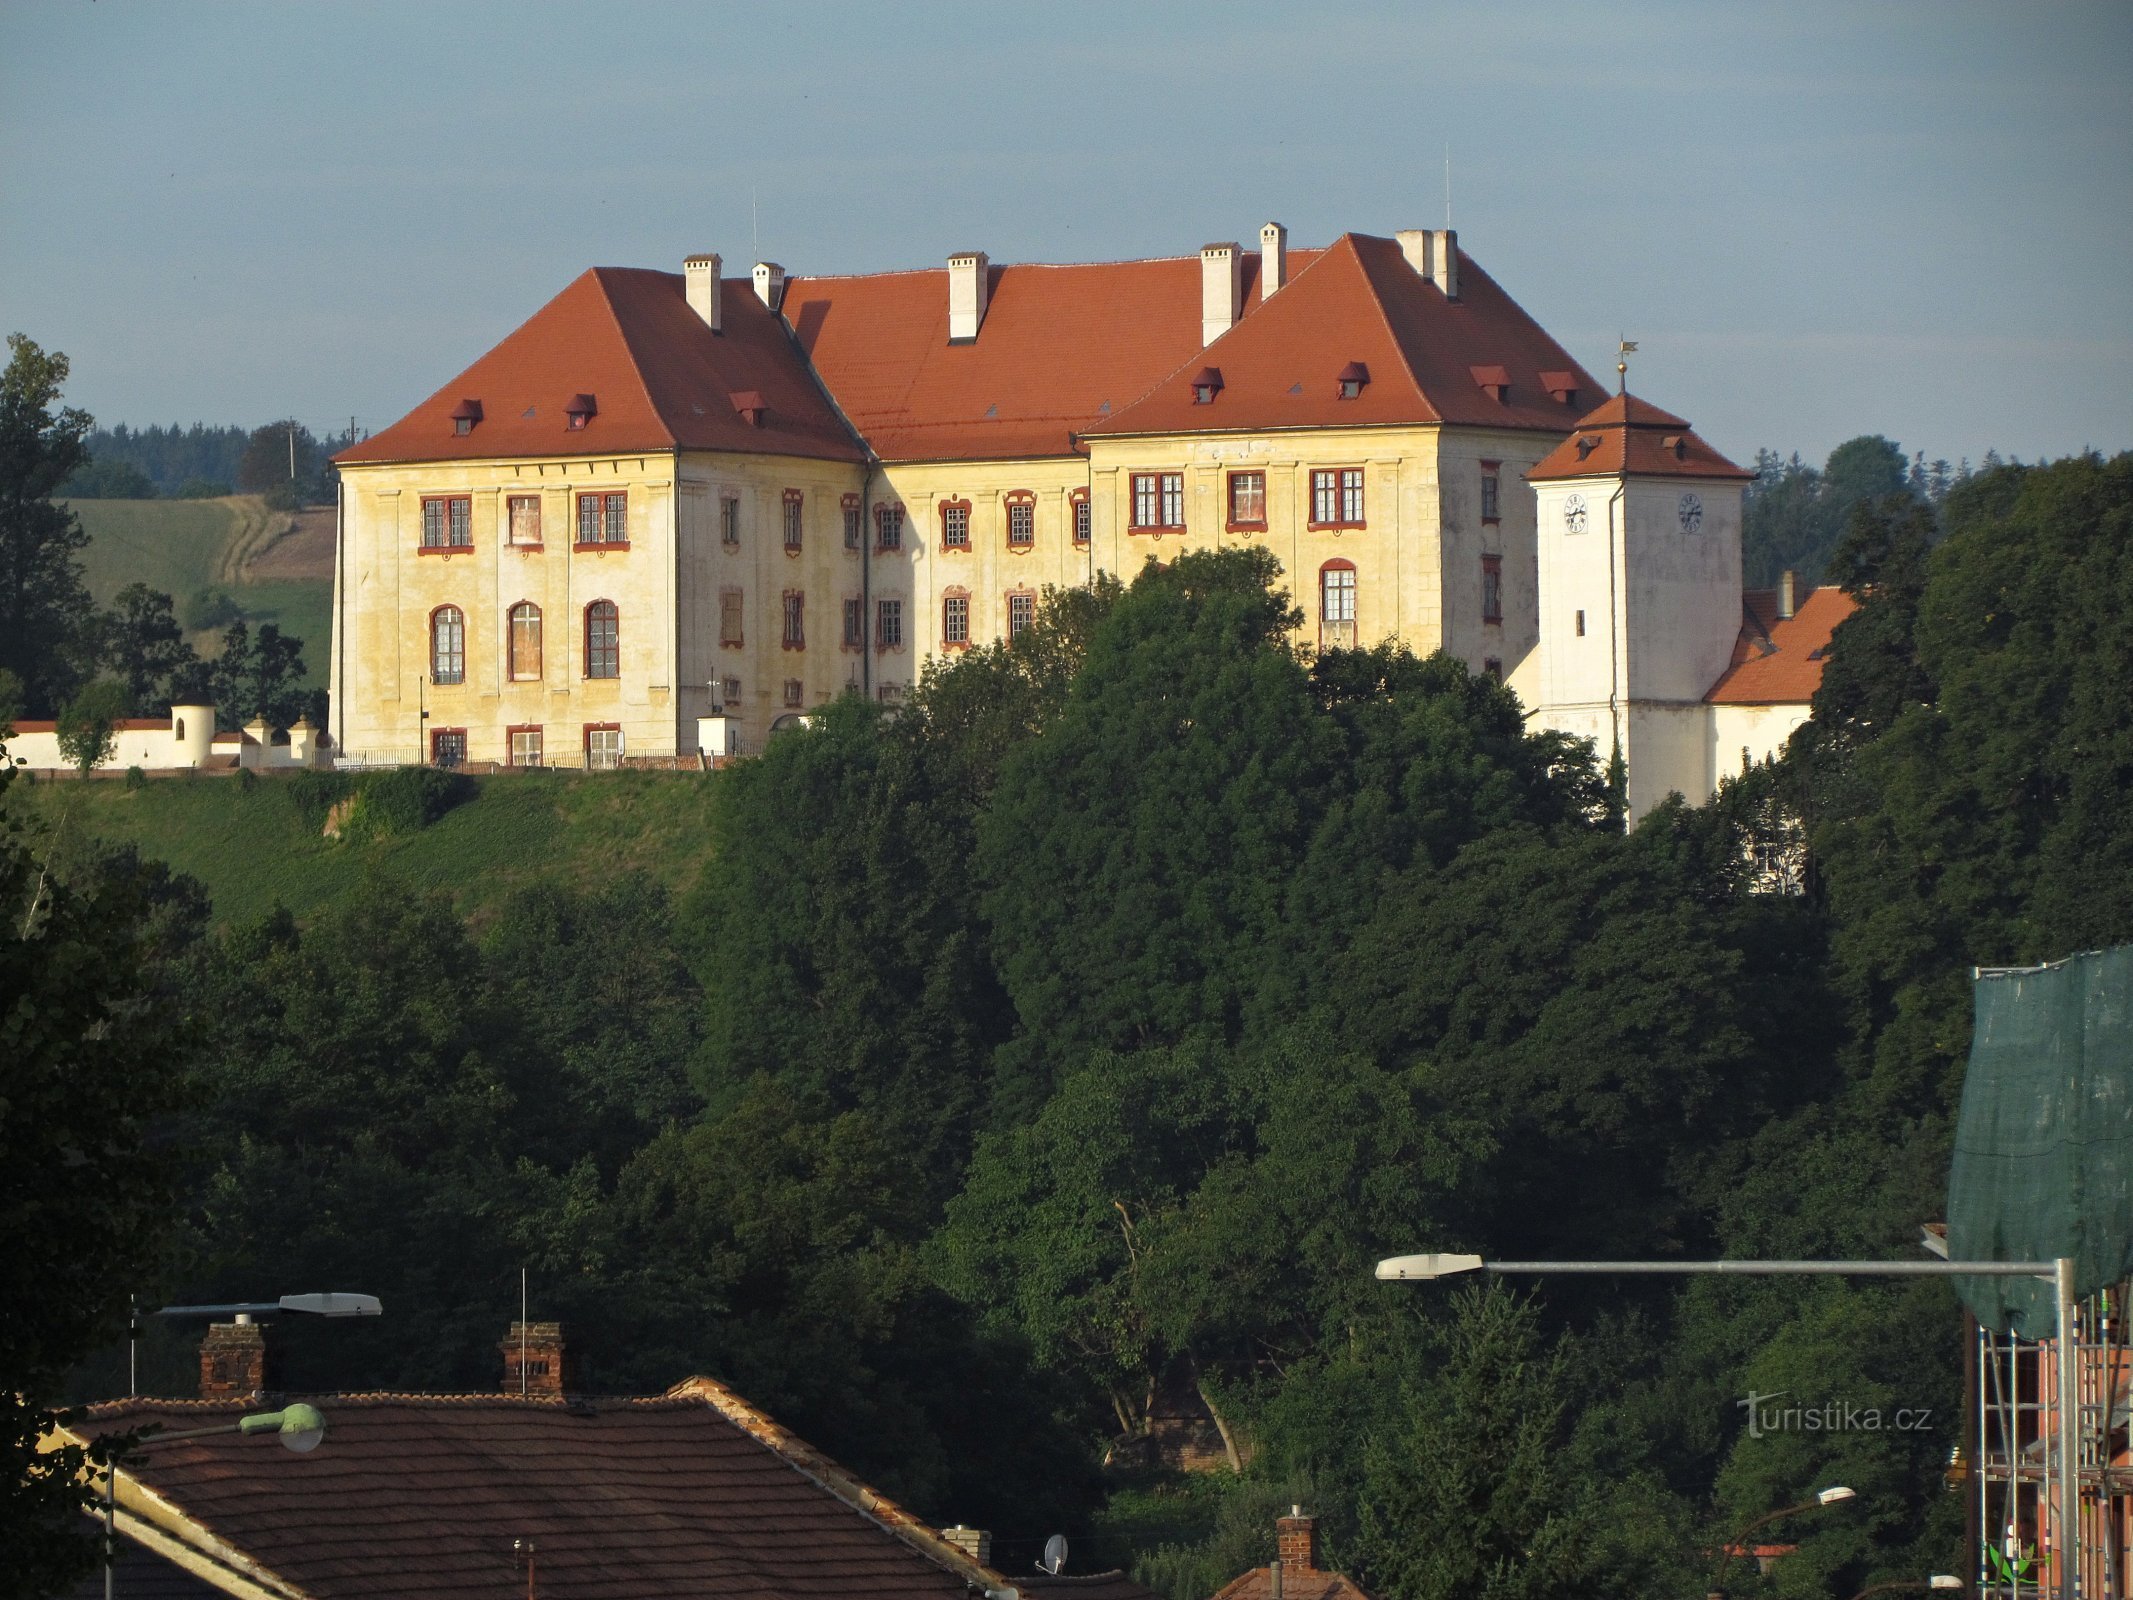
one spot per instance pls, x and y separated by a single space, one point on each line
276 566
247 843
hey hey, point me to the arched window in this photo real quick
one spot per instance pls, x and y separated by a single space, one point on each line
448 645
1336 605
603 640
525 642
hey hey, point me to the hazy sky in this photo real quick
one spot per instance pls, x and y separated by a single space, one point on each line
1818 219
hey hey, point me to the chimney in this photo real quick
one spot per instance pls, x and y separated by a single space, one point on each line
1434 254
1221 290
233 1360
975 1543
1273 1581
700 284
533 1358
1788 589
1273 259
770 283
969 282
1296 1540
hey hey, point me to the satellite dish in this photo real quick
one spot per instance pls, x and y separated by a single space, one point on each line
1054 1555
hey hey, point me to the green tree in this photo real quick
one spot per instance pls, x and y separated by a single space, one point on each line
98 479
46 619
88 725
89 1063
259 675
143 644
281 456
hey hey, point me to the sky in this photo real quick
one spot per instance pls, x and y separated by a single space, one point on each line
1817 220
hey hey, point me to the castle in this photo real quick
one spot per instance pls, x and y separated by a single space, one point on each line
672 513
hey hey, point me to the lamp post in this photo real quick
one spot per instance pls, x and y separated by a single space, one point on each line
300 1428
1834 1496
2058 1273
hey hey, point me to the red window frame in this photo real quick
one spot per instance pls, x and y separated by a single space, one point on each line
511 744
1158 495
586 744
733 603
1492 491
955 525
795 520
1492 589
1338 632
888 527
955 619
793 606
1337 497
455 524
609 654
1022 520
609 522
1234 523
511 504
459 617
1078 506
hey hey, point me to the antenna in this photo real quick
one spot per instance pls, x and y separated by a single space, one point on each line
1447 185
755 243
522 1334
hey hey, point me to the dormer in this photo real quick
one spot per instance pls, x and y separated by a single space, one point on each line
1587 443
750 406
1494 382
1350 380
1206 384
464 416
1561 387
578 411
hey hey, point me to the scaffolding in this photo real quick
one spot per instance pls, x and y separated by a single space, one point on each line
2013 1425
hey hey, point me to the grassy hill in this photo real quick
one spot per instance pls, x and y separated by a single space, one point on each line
248 844
275 566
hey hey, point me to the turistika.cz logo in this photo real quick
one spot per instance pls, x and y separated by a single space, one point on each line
1829 1416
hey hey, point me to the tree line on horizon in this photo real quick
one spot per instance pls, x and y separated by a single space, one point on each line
284 460
1085 1029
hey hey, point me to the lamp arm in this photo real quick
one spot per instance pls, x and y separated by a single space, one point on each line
1725 1551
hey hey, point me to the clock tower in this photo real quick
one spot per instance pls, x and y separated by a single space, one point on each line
1640 594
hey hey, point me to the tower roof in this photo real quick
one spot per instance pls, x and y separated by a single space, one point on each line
1629 435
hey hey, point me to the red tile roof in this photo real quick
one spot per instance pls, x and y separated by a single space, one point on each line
660 378
1296 1583
423 1495
123 725
1360 301
1060 349
1628 434
1780 663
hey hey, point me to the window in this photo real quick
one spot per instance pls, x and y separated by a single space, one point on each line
448 522
1336 605
955 621
729 522
1081 516
578 410
888 527
955 525
1158 499
729 619
1581 624
1489 489
731 692
1350 379
855 622
889 694
795 692
522 515
1337 498
1247 499
448 645
888 624
603 519
1021 523
794 511
1021 613
795 620
1492 668
448 747
1492 588
525 747
603 746
852 527
603 640
525 642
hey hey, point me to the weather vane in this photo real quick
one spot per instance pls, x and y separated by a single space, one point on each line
1622 365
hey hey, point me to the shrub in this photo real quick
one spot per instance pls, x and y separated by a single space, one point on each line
247 780
314 794
403 801
203 489
136 778
211 608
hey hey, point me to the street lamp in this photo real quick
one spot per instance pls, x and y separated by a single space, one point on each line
1836 1495
2059 1274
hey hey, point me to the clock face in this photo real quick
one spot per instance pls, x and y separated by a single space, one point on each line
1574 513
1691 513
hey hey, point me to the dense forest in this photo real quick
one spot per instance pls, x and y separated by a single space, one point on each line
1082 1031
283 459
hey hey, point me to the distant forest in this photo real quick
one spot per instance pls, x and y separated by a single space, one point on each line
204 461
1795 515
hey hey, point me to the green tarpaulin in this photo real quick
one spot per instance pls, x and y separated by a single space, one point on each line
2044 1148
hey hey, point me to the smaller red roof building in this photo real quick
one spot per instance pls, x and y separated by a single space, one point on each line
1631 435
1778 660
1302 1578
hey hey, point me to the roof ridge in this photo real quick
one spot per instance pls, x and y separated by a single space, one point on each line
636 360
1377 304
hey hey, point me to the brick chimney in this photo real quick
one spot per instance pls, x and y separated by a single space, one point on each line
1296 1541
969 287
700 284
1221 290
233 1360
1273 259
533 1358
975 1543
